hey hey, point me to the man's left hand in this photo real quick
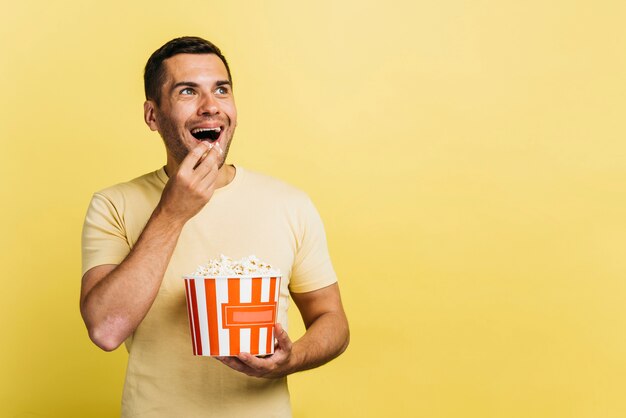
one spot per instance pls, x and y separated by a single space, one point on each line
273 366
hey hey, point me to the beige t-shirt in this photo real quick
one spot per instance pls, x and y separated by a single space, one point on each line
253 215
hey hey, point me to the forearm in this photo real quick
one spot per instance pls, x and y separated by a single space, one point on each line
117 303
325 339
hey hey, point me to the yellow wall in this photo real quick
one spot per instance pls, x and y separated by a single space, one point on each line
468 159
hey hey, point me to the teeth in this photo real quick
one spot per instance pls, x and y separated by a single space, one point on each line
195 131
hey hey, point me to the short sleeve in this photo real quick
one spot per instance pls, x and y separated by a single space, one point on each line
312 269
104 238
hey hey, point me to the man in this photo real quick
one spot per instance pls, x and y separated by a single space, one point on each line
140 237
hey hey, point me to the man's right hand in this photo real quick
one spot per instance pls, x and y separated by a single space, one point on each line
190 188
115 299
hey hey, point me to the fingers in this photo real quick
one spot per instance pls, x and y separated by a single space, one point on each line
199 157
253 362
194 156
208 165
206 153
250 365
234 363
215 151
244 363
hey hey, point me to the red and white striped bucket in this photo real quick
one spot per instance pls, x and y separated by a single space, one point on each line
228 316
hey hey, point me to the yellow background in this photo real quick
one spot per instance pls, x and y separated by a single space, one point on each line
468 159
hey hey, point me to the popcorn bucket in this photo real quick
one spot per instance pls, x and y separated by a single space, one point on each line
228 315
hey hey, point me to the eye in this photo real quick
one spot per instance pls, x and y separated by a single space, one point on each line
187 91
221 90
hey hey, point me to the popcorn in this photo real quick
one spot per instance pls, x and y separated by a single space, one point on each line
225 266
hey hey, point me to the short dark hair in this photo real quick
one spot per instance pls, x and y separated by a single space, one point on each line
153 76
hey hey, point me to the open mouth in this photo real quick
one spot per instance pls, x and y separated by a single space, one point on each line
206 134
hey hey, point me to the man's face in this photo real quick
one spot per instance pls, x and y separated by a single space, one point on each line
196 105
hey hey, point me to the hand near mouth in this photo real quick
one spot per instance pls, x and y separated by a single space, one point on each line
206 153
193 184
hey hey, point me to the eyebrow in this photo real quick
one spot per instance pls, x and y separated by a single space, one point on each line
194 84
183 84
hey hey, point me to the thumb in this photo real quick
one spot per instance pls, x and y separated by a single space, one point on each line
282 338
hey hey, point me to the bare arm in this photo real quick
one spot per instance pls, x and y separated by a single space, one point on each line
326 337
114 299
327 334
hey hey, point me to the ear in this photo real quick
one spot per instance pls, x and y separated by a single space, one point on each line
149 115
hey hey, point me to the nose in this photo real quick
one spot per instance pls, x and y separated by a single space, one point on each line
208 106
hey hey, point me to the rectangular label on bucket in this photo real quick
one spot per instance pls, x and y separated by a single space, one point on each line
248 314
232 315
